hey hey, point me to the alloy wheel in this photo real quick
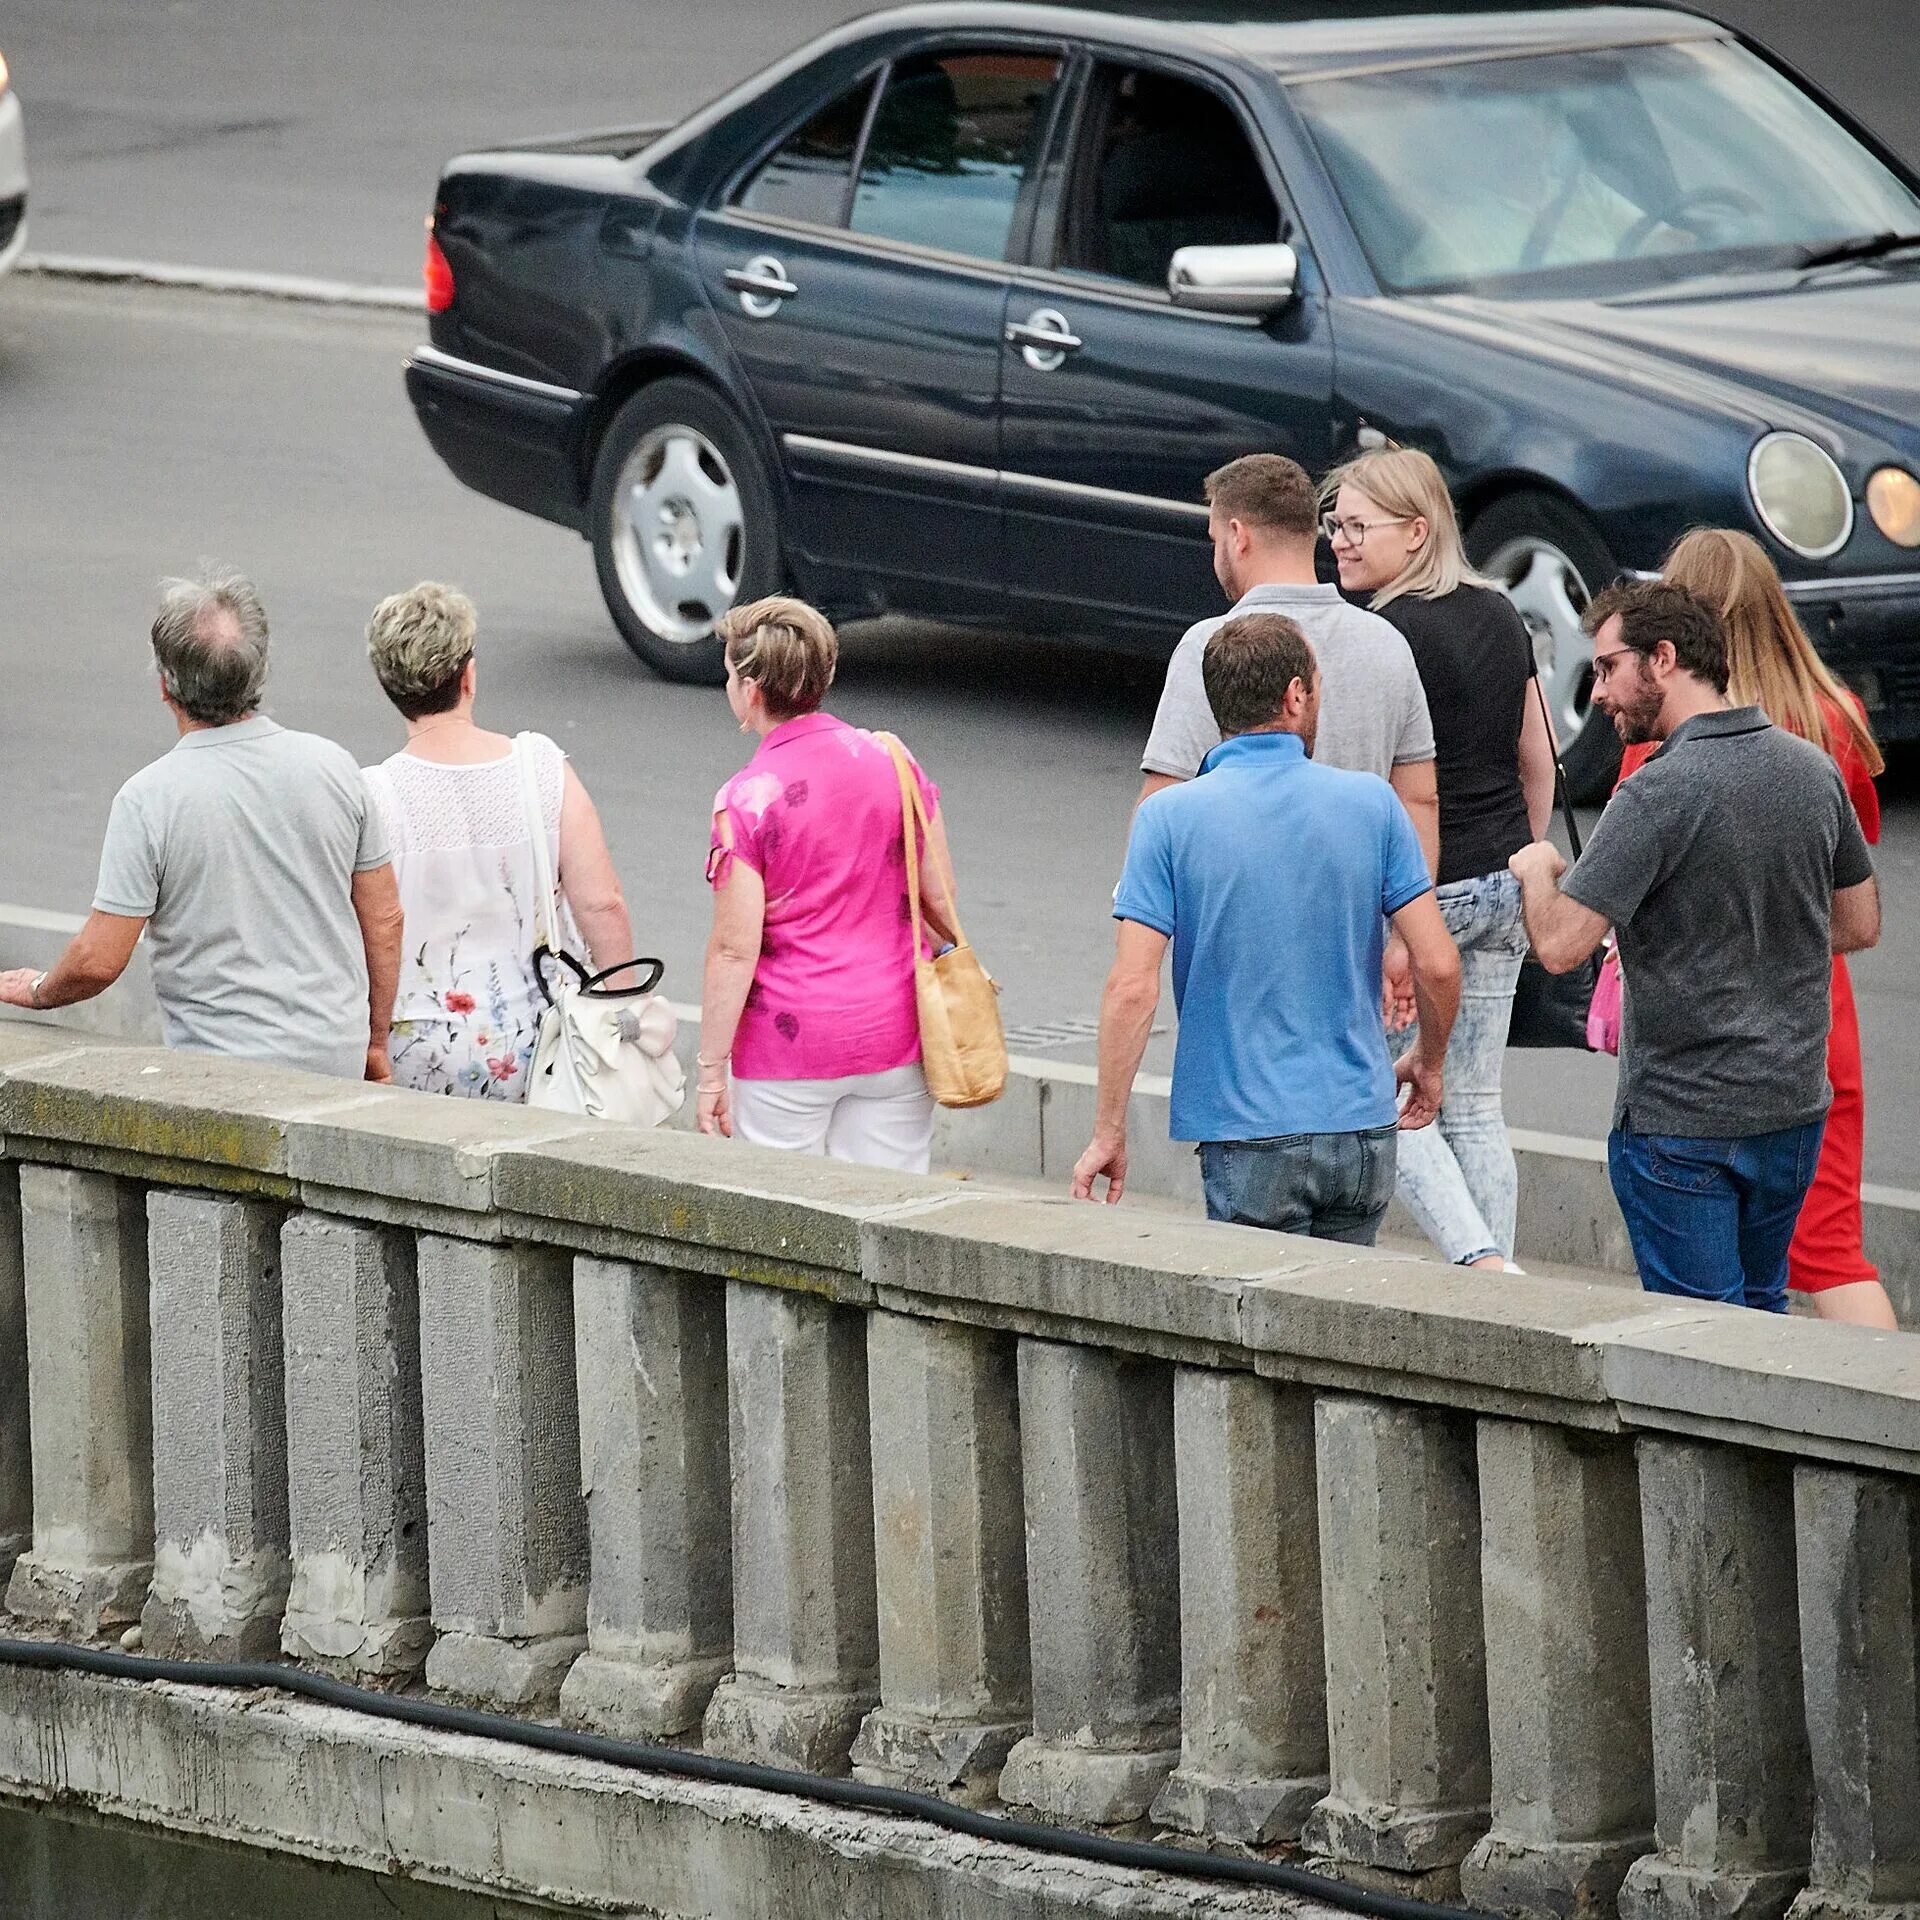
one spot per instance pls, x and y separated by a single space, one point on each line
1550 596
679 533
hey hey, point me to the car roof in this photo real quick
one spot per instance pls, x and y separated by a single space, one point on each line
1299 38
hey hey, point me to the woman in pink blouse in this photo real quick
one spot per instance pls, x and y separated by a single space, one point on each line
809 1037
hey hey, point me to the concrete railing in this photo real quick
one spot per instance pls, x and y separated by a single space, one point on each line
1118 1517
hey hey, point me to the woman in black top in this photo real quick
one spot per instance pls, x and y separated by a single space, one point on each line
1398 548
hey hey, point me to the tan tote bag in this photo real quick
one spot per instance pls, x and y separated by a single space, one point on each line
962 1048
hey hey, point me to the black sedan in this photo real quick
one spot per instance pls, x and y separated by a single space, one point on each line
951 311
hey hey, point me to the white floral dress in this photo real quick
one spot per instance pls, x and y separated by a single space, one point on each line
468 1009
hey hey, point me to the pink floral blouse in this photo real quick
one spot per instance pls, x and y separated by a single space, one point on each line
816 813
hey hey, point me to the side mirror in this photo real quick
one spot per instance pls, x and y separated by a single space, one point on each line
1252 280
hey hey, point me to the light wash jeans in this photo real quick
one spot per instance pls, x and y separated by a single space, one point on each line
1457 1177
1331 1186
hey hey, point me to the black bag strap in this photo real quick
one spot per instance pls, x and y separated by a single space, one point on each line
590 982
1559 771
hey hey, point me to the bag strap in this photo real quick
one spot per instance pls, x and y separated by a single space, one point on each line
913 826
545 925
1559 771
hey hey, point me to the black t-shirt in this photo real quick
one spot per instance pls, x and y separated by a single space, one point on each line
1475 663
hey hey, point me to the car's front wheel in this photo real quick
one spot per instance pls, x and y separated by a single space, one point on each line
683 526
1551 561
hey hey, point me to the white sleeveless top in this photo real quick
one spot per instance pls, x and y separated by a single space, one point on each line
468 1001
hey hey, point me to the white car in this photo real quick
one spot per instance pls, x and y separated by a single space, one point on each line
13 174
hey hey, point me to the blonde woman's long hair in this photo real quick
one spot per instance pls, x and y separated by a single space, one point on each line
1771 662
1407 484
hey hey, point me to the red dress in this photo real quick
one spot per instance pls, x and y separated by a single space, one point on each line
1829 1247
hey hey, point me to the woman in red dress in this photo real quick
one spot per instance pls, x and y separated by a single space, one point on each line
1774 666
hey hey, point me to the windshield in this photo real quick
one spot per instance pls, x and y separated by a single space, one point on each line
1593 171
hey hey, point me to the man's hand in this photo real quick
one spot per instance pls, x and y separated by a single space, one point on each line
1106 1154
1538 859
1424 1090
1397 1007
16 986
379 1067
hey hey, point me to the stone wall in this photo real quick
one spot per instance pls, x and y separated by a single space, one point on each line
1569 1598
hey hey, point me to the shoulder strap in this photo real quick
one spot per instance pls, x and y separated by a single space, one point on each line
1559 769
544 919
914 827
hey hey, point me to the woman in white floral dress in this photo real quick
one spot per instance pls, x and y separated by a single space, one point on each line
468 1009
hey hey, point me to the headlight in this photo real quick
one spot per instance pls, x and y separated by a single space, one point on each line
1800 494
1893 498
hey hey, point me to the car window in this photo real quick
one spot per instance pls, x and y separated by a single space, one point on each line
1607 167
808 176
951 147
1162 163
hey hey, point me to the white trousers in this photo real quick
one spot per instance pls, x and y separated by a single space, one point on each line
876 1119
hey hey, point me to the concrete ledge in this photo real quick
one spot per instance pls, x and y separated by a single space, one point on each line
500 1819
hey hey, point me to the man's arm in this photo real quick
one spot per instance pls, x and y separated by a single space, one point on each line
94 959
1536 756
376 904
1561 931
1856 917
1436 991
1152 785
1419 789
1126 1019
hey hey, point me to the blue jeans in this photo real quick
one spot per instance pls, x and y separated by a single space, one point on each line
1457 1176
1333 1186
1711 1219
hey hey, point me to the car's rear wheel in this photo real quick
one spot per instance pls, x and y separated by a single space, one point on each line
1551 561
683 526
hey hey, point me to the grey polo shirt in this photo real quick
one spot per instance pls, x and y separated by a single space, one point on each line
239 849
1717 864
1373 709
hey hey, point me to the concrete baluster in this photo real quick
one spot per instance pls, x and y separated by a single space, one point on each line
84 1237
1858 1644
506 1525
805 1640
1253 1720
219 1428
1732 1785
1564 1584
1103 1584
16 1445
949 1558
651 1351
1406 1661
356 1473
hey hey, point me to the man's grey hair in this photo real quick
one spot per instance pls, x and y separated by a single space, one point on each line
210 644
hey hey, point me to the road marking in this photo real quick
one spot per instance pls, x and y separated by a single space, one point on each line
259 286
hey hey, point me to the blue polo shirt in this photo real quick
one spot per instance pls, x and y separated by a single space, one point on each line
1271 876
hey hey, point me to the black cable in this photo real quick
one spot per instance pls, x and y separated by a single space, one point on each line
1187 1863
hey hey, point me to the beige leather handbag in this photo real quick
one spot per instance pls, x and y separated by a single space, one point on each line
963 1051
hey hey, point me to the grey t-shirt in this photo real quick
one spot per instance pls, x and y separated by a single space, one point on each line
1373 709
239 849
1717 864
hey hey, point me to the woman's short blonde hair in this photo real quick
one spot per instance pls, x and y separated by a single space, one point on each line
786 648
1408 485
420 642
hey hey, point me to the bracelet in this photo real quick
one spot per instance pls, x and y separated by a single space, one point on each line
701 1060
33 992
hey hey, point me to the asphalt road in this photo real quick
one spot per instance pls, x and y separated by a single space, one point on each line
139 431
304 136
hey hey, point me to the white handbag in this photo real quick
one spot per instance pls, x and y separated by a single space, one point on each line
606 1052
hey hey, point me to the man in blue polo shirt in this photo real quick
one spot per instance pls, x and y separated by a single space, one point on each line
1272 877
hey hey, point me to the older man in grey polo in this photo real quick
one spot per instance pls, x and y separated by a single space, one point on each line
254 859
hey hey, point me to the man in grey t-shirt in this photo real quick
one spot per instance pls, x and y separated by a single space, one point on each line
1732 868
1264 517
254 859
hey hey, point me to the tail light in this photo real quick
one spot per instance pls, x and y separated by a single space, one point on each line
437 275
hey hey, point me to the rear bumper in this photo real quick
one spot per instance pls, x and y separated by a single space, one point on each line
1868 631
504 435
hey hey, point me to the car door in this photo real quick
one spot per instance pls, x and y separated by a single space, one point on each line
1115 403
860 275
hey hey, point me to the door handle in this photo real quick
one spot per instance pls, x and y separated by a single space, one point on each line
761 284
1044 338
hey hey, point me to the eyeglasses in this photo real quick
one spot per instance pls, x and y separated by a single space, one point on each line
1603 662
1354 532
